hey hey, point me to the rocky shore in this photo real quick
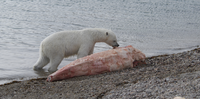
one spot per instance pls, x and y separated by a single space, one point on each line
163 77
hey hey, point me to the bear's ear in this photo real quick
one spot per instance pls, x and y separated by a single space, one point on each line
106 33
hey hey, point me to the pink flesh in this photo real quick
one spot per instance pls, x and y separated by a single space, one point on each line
111 60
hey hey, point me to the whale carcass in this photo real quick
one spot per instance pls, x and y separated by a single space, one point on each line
110 60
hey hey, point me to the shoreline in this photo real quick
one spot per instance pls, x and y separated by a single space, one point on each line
164 76
22 78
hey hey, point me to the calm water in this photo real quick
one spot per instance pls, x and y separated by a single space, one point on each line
153 26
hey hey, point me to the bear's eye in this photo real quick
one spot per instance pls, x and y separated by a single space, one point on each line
114 41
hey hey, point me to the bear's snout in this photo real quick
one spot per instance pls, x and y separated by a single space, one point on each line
116 45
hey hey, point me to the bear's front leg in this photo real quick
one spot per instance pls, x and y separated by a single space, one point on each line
91 51
54 63
84 50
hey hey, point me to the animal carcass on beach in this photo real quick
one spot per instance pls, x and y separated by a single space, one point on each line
110 60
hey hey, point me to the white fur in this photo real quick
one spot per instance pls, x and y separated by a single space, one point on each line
67 43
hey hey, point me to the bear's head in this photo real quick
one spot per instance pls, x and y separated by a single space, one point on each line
102 35
111 39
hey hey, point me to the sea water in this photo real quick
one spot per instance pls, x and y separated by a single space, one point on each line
153 26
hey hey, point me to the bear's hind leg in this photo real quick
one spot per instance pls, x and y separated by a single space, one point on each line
54 62
42 61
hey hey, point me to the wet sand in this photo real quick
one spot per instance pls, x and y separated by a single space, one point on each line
163 77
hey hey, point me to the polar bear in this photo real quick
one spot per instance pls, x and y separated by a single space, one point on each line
67 43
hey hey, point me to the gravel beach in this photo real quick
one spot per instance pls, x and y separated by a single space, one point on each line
163 77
